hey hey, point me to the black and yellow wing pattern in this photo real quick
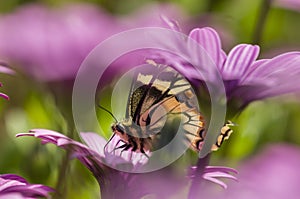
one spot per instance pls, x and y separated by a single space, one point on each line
159 94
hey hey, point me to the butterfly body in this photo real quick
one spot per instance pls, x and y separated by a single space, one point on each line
129 135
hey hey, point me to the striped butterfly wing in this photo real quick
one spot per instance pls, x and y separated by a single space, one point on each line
159 94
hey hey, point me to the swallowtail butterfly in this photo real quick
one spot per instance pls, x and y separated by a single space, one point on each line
157 96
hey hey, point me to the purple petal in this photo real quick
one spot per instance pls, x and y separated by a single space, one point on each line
279 74
209 39
171 23
13 196
13 177
90 156
47 136
58 139
9 183
29 190
14 184
247 75
279 65
94 141
216 181
211 173
220 175
4 96
220 169
238 61
118 156
4 69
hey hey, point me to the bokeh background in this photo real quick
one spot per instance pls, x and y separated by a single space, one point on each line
45 42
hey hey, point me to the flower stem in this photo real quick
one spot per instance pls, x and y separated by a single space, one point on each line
61 181
195 189
61 185
261 21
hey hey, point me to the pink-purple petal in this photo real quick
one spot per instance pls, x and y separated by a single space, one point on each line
29 190
13 177
56 138
4 69
238 61
216 181
220 169
279 65
4 96
45 139
13 196
218 174
209 39
14 185
129 156
170 23
90 156
275 76
246 76
211 173
94 141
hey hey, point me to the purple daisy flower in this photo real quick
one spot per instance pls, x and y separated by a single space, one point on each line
97 154
14 186
245 78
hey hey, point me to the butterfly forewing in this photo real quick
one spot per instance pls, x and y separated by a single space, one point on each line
161 95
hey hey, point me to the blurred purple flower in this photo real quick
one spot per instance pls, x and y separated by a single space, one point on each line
113 183
150 16
50 44
245 78
290 4
272 174
13 186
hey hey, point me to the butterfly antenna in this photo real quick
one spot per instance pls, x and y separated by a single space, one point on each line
108 112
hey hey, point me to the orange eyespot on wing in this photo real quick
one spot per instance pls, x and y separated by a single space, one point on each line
225 133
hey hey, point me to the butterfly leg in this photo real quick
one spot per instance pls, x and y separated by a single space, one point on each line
105 147
143 152
146 155
119 147
126 147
